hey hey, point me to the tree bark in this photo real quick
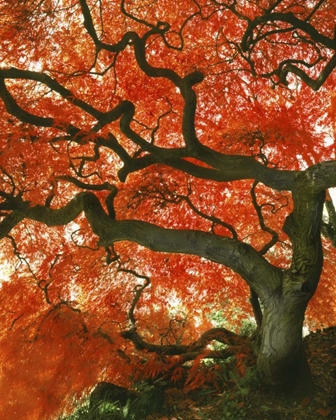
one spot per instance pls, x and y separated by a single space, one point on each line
282 362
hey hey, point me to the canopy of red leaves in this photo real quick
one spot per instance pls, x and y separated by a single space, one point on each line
64 298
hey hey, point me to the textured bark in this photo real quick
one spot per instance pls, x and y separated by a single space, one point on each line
281 361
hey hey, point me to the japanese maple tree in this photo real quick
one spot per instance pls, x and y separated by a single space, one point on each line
161 162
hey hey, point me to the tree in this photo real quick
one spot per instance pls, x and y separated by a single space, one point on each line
160 161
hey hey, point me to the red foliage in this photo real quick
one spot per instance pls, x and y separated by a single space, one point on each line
62 305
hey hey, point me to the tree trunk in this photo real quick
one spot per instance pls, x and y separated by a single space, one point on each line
282 362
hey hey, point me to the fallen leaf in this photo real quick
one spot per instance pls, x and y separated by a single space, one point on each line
305 402
324 412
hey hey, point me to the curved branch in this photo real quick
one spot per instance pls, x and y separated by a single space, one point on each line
223 168
289 17
24 116
287 66
240 257
221 335
315 84
14 73
213 219
258 209
143 22
138 289
305 222
106 186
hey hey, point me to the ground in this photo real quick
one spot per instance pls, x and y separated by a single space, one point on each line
245 399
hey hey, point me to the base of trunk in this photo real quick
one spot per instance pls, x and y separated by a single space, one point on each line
282 362
298 383
290 376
